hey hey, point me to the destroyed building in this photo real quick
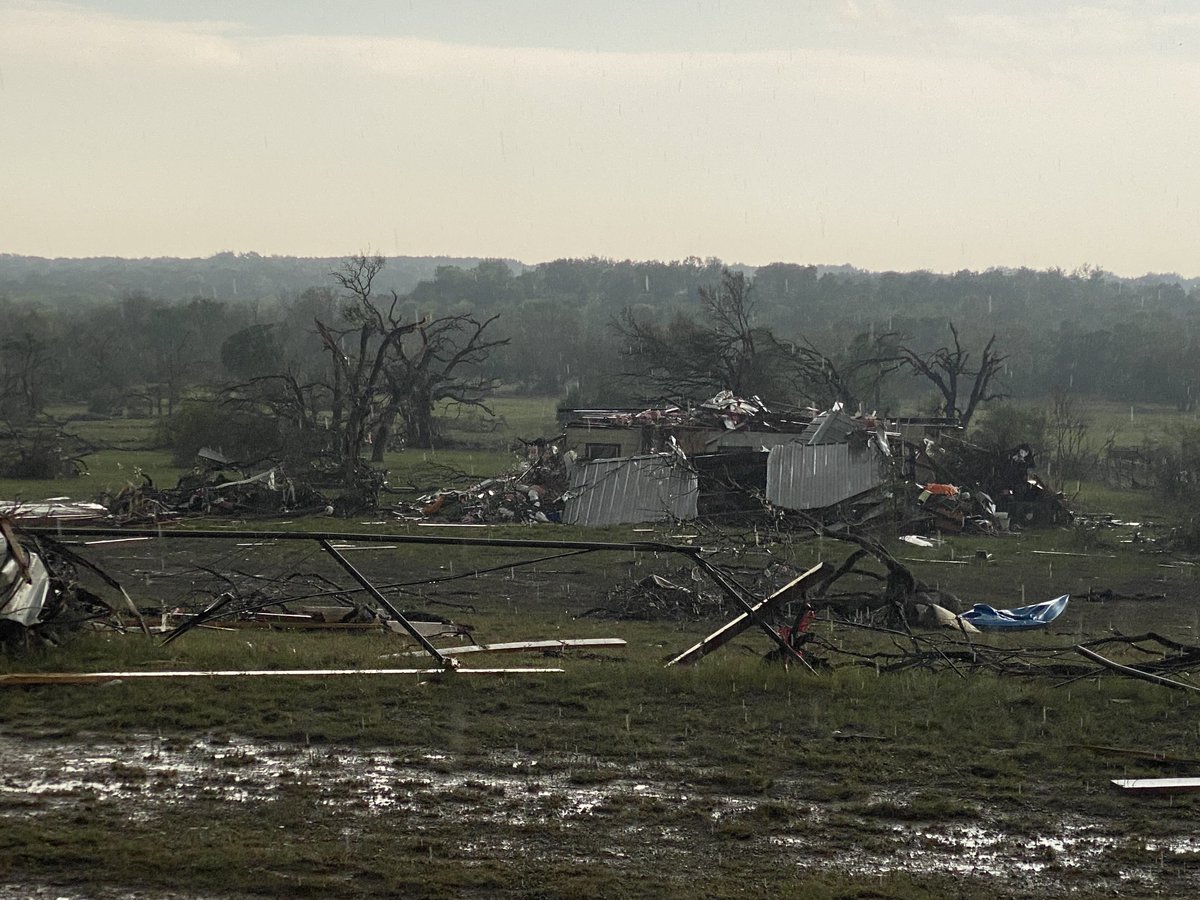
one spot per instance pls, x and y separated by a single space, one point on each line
731 457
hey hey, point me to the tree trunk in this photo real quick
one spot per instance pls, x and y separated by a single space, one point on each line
419 420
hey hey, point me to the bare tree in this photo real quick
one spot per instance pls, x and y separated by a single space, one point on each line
26 367
950 371
854 376
359 350
437 361
685 358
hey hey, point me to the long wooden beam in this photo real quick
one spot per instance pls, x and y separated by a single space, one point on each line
18 679
736 626
1158 785
528 646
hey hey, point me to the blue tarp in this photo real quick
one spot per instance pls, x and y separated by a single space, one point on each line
988 618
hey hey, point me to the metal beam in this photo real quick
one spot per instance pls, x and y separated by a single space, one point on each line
376 537
443 661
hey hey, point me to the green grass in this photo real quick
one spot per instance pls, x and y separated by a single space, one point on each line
476 446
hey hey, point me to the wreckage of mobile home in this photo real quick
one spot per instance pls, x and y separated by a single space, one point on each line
730 457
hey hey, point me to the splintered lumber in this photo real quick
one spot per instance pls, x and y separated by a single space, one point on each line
1134 673
736 626
1158 785
528 646
18 679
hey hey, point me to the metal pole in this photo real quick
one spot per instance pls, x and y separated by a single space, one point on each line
444 662
357 537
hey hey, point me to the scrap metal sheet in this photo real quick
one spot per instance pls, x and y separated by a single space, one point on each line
814 476
630 489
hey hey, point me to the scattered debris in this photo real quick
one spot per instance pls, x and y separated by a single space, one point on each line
1106 595
535 492
207 492
52 511
40 598
24 582
1000 487
684 597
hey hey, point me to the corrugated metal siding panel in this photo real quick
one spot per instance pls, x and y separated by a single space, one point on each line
813 476
634 489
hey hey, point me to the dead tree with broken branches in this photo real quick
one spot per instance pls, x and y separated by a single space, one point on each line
359 350
950 371
686 358
437 361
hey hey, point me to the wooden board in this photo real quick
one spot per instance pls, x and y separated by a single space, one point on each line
40 678
1158 785
528 646
736 626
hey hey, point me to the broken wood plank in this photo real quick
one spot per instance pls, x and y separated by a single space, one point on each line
1149 755
526 646
1065 553
18 679
1158 785
736 626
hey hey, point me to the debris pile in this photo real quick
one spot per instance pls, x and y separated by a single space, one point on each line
1004 486
685 596
947 509
207 491
40 597
724 411
535 492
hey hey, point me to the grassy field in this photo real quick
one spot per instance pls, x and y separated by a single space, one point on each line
617 776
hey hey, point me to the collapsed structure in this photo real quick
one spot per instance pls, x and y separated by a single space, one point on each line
729 457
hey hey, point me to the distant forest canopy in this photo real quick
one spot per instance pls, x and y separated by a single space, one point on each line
113 328
233 277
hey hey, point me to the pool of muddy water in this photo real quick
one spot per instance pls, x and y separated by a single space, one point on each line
146 774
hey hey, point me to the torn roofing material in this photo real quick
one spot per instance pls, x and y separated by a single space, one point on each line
631 489
814 476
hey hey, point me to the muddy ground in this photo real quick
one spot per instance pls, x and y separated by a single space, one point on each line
524 810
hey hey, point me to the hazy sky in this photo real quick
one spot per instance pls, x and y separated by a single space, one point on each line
882 133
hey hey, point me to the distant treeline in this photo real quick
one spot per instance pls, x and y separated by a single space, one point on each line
233 277
106 330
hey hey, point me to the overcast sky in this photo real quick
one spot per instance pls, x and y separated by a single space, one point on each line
882 133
